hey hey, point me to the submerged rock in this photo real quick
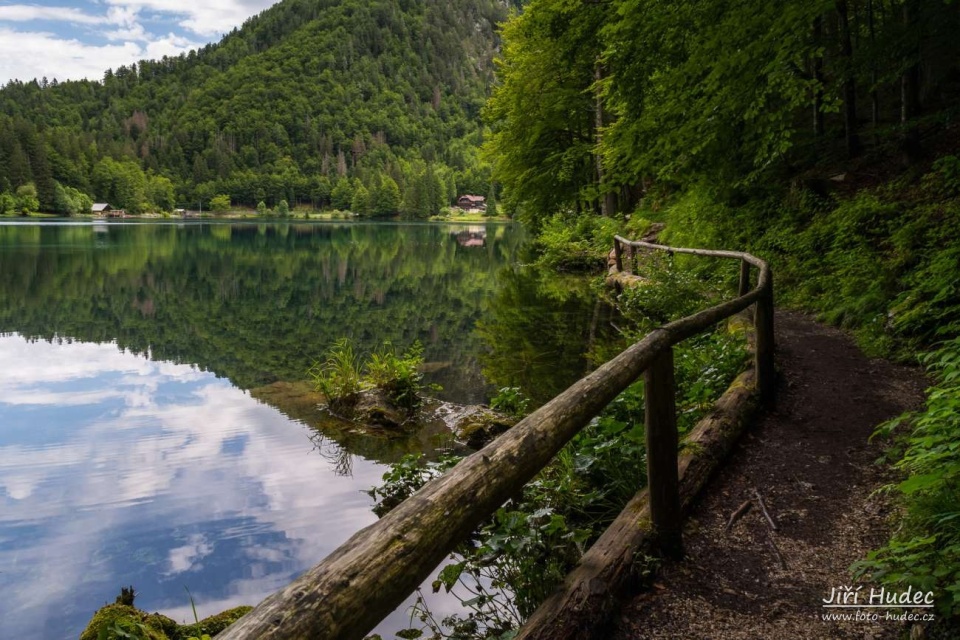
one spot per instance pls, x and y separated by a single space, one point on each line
482 426
474 425
376 407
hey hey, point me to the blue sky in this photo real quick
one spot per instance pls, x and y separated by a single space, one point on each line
71 40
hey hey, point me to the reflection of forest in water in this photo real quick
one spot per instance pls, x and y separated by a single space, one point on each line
258 303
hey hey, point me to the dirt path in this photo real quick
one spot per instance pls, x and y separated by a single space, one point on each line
810 460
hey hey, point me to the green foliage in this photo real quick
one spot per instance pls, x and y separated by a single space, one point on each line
360 204
283 209
399 375
542 110
339 375
220 203
123 621
262 208
342 374
27 201
512 401
576 242
69 201
492 211
925 550
385 198
406 477
8 204
596 100
342 195
944 177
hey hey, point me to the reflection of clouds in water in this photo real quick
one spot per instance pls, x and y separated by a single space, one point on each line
129 479
185 558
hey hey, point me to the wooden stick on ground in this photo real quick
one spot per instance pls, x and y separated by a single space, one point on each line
776 551
763 507
739 513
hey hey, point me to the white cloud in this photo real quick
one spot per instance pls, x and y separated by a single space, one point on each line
206 18
186 557
30 12
27 55
120 36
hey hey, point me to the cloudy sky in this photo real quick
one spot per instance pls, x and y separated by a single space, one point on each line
69 40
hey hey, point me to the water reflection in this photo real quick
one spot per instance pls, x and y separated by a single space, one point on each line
155 426
115 469
257 303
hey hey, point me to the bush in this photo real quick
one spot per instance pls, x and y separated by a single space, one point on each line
925 551
342 375
576 243
398 375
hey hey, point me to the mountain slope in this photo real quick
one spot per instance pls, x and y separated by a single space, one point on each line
306 93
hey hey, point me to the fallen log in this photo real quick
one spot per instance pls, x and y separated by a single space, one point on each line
584 603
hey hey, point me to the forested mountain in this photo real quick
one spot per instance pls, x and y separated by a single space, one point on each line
305 102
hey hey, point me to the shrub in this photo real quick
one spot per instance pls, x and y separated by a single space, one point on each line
220 203
342 375
576 242
925 551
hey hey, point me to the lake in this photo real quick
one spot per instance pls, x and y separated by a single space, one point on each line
156 428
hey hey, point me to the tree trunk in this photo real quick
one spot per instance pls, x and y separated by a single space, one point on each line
849 82
608 199
910 84
818 79
874 96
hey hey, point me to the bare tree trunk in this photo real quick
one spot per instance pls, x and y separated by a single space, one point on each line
874 96
608 199
849 82
910 86
818 79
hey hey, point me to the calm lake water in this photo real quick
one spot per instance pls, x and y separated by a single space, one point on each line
155 428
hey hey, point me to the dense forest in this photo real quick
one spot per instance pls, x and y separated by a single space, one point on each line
821 135
370 106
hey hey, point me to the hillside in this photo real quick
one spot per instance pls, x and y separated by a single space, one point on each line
306 95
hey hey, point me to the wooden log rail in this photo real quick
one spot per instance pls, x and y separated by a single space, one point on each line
351 590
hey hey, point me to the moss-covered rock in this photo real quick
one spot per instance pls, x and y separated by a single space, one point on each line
116 619
214 624
480 425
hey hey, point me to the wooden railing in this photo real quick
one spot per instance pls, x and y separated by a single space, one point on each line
356 586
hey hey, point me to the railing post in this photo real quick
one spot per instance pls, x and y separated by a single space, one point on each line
618 254
763 325
744 278
662 443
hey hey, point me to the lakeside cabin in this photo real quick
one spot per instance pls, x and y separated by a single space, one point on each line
102 209
469 202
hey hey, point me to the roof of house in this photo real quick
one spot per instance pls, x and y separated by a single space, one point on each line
100 206
474 199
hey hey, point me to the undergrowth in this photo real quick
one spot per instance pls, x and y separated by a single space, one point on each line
884 263
924 551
